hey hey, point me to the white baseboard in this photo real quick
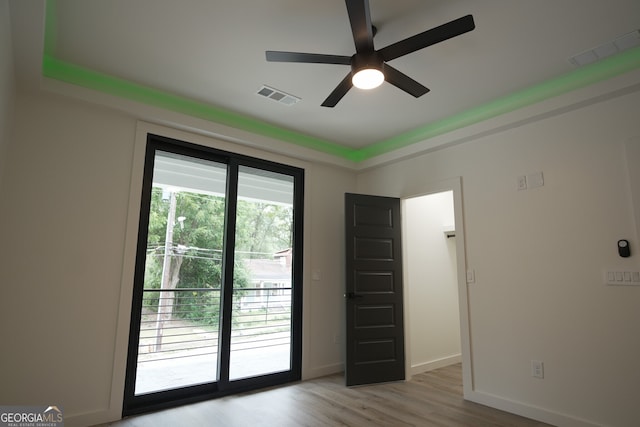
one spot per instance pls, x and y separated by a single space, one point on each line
540 414
97 418
503 404
322 371
528 411
104 417
435 364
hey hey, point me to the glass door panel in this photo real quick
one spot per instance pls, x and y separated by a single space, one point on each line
262 280
180 318
217 302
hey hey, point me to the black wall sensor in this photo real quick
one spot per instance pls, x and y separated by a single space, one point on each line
623 248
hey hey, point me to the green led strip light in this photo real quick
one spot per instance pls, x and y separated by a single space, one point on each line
584 76
60 70
69 73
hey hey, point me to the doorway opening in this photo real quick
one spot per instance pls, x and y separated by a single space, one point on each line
462 309
431 282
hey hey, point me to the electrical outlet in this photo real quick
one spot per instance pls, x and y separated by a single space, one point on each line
537 369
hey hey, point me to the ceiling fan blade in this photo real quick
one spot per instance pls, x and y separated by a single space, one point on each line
311 58
360 19
404 82
428 38
340 91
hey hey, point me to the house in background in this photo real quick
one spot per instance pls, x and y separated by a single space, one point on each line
539 254
269 280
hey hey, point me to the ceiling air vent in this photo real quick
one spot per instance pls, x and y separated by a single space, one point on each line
278 95
622 43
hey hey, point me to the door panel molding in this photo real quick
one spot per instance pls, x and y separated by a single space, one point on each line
375 334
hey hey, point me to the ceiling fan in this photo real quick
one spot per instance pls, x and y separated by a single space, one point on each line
369 67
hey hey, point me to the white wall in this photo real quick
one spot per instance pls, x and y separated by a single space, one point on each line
62 220
7 82
431 282
63 224
327 258
538 256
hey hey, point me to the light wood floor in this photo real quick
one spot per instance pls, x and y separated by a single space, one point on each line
429 399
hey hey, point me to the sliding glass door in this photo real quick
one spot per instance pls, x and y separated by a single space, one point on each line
180 317
217 298
261 319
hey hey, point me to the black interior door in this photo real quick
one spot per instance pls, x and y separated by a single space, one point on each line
375 330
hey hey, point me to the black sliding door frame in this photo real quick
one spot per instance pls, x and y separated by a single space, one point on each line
134 404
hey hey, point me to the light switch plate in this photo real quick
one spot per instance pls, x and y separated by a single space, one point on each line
621 278
535 180
471 276
522 183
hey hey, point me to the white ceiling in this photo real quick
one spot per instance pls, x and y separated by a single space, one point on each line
214 52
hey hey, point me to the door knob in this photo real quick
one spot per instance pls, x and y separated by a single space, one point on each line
352 295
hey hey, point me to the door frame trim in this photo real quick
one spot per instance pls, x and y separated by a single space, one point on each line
134 404
454 185
113 410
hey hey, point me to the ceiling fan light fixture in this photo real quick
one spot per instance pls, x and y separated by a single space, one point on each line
367 78
369 68
366 70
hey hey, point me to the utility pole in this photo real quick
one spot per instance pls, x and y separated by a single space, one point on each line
165 301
